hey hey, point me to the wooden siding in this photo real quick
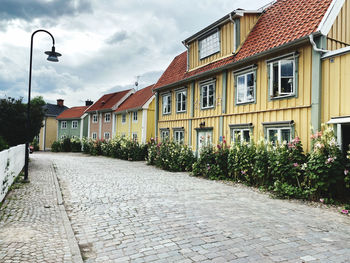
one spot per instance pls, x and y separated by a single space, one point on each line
340 31
226 41
335 87
297 108
150 121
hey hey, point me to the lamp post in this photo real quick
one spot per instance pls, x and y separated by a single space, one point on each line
53 57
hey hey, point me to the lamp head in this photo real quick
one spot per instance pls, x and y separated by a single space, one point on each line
52 55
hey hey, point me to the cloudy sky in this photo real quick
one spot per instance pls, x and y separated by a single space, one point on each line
105 44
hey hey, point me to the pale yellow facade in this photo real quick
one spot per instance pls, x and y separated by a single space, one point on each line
48 133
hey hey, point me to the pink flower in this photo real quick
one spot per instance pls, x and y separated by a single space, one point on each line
295 164
224 141
321 200
218 146
344 211
346 172
329 160
243 172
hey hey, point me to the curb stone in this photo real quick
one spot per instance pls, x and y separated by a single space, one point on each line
73 244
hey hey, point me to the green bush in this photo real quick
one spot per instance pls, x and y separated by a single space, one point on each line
56 146
261 171
3 144
325 167
35 144
75 145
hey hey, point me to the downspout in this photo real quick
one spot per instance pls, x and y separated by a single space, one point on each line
188 56
234 33
316 83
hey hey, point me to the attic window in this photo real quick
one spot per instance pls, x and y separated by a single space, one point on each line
209 44
103 102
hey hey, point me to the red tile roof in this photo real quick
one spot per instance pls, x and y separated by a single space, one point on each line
73 113
137 100
108 101
281 23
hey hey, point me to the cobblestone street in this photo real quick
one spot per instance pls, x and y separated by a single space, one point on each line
129 212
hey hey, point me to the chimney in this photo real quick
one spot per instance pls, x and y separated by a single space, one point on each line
60 102
88 103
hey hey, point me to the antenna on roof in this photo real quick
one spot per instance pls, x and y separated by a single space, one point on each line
137 82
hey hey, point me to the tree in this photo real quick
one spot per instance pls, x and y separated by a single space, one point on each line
13 119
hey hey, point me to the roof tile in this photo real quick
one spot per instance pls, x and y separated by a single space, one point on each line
107 101
73 113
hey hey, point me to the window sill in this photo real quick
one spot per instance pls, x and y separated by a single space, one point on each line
283 97
167 113
181 112
208 108
245 103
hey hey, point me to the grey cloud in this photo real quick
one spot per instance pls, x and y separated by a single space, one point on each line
117 37
30 9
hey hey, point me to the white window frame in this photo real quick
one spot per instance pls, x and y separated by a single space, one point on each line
279 88
63 137
94 118
177 137
123 120
106 134
107 117
241 131
209 44
134 116
279 133
246 87
166 107
64 125
183 100
94 136
76 125
207 85
134 136
164 134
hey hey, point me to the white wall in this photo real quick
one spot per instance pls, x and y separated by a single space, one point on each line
11 164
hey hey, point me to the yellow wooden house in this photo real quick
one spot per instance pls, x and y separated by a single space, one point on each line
135 118
254 74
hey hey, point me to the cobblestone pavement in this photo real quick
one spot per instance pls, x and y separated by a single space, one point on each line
130 212
32 227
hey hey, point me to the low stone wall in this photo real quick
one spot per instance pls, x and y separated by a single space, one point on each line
11 164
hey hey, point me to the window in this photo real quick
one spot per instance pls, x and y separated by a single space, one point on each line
245 87
134 136
134 116
94 135
63 125
74 124
179 136
63 137
123 135
240 135
123 118
207 95
209 45
181 98
166 103
106 136
94 118
107 117
164 134
282 78
279 131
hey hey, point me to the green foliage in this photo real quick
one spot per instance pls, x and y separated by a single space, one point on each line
35 144
325 167
75 145
56 146
3 144
13 116
67 145
212 162
170 156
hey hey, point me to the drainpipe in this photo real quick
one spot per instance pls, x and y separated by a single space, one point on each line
234 33
188 57
316 83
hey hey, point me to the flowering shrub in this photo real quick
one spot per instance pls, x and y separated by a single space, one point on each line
241 162
212 162
325 167
67 145
170 156
75 144
261 172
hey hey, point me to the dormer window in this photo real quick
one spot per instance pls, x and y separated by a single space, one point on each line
209 44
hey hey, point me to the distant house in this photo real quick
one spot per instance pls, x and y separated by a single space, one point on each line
135 117
73 122
101 122
48 133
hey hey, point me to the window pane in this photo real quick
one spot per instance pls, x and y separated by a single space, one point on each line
237 136
287 68
240 89
250 79
272 134
246 136
287 85
275 79
285 135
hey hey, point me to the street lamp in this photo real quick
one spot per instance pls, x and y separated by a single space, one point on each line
53 57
